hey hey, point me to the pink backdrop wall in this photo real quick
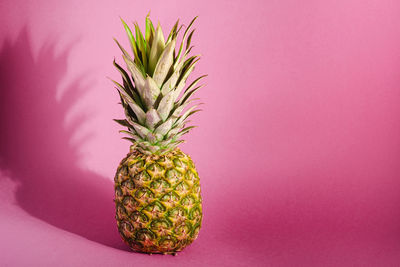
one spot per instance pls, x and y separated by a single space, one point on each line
298 146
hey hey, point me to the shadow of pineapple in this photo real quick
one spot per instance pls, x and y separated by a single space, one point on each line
35 146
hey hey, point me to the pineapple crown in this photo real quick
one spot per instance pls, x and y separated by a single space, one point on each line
155 104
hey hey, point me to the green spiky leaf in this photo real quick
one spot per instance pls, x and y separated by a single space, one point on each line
183 40
142 47
123 123
149 35
132 90
164 63
157 48
173 31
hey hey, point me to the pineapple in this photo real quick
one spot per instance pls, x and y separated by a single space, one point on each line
157 188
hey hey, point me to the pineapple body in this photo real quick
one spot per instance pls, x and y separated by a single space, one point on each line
158 201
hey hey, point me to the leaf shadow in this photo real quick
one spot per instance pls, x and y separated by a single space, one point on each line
35 145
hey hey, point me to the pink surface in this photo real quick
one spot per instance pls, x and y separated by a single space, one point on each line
298 146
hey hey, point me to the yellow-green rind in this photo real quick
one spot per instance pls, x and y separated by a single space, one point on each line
158 201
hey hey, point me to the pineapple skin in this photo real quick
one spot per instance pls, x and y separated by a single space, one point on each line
158 201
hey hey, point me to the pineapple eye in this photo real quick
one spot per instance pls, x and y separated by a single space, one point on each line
190 164
155 207
121 175
160 223
188 200
182 187
195 231
177 212
126 229
159 185
173 176
121 212
155 170
144 193
162 160
144 234
128 200
154 167
183 229
128 184
136 163
196 188
123 170
168 243
191 175
143 176
165 162
118 192
170 197
195 213
178 163
139 217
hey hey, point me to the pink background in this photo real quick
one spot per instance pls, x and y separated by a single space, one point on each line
298 146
